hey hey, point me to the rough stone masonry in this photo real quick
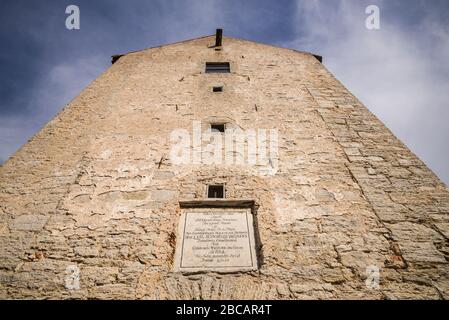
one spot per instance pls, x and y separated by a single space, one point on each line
95 190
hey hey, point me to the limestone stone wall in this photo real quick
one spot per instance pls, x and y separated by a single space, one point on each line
96 188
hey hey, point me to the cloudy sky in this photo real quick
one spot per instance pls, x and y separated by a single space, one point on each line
401 72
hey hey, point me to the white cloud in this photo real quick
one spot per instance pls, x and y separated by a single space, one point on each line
56 88
400 74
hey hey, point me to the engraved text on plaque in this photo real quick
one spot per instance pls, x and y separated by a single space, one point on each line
216 240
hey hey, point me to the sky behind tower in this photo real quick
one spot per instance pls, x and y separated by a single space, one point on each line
400 72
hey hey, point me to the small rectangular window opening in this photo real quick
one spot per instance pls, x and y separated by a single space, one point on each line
218 127
216 191
217 89
218 67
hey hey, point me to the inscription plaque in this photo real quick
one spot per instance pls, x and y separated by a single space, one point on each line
216 240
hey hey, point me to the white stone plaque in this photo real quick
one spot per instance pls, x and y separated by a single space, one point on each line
216 240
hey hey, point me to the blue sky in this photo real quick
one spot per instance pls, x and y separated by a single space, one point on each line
400 72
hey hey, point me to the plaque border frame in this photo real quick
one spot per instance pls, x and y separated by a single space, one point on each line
243 206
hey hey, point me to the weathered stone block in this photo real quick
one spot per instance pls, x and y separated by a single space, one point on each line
29 222
163 195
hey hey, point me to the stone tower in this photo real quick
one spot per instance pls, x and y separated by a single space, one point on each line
97 205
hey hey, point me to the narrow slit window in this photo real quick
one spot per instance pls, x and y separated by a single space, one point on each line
217 89
218 67
216 191
218 127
